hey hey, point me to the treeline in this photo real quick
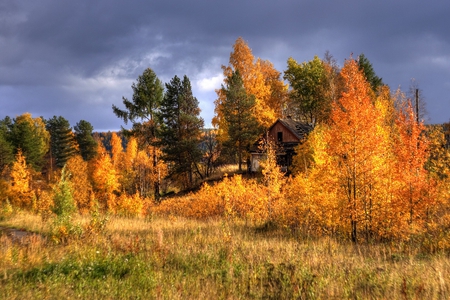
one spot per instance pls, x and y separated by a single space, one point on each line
369 170
167 148
104 170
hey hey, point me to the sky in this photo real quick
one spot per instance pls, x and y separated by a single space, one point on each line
77 58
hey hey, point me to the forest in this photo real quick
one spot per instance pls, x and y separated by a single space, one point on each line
369 173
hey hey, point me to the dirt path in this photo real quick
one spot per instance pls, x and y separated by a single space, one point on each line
16 235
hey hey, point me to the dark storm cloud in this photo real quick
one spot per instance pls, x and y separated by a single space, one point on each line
76 58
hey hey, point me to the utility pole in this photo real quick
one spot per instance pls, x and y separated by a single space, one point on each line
417 106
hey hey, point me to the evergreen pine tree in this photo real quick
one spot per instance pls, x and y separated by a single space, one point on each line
141 112
365 65
6 149
30 135
62 140
86 143
180 134
238 112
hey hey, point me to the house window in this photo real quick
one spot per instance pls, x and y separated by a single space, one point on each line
280 136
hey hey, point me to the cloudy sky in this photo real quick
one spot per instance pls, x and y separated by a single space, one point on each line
77 58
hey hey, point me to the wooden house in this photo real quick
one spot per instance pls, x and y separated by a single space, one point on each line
286 134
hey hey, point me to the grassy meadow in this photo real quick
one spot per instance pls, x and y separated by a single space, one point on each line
177 258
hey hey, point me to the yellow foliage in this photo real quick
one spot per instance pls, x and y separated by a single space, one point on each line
231 198
21 194
260 79
130 205
105 180
149 172
78 170
273 178
45 204
117 152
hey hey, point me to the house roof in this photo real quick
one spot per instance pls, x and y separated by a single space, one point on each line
299 129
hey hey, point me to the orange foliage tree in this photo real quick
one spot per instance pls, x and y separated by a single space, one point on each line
357 145
411 150
363 174
260 80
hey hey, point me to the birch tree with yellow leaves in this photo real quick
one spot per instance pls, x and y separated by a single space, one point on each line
105 179
78 175
21 194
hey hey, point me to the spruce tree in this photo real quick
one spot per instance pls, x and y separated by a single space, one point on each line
62 140
141 113
30 135
369 73
180 134
142 109
238 112
6 149
86 143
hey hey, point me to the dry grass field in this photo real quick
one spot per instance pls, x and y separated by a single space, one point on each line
176 258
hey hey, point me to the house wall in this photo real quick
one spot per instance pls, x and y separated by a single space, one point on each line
255 158
288 136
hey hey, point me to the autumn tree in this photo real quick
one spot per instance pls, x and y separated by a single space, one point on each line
180 133
20 181
78 175
438 168
273 177
86 143
116 151
313 198
239 120
128 176
438 162
105 179
411 151
260 79
148 174
62 140
277 99
141 112
354 144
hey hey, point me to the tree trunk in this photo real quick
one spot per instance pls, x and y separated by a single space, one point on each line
156 183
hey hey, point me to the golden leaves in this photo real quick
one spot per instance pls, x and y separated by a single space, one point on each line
20 180
260 79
